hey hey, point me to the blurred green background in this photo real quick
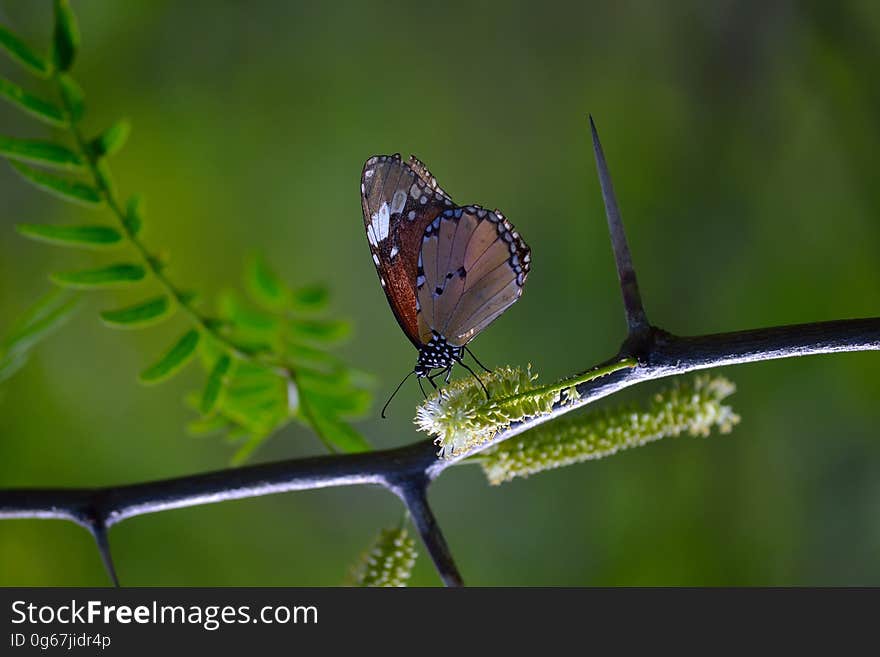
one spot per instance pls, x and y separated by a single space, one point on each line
743 138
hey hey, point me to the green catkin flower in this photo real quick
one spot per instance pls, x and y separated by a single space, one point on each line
389 561
693 407
461 418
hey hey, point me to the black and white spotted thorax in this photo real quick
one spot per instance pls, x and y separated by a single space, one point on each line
437 354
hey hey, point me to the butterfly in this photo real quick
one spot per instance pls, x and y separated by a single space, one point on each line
448 270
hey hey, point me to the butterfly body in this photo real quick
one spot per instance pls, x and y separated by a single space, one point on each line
438 354
448 271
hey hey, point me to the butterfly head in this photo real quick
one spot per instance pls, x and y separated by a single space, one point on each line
437 354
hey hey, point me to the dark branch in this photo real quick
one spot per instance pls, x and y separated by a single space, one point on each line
414 496
636 319
666 355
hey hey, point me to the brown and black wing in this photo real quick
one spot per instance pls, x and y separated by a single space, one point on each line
473 266
399 201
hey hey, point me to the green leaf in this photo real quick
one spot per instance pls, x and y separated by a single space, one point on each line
39 152
208 425
312 298
22 53
350 403
65 188
37 107
319 331
74 98
139 315
111 276
318 360
173 360
112 139
336 432
46 315
214 385
246 317
65 40
264 285
249 447
40 308
89 237
134 215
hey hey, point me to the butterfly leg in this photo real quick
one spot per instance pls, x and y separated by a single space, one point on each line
421 387
431 380
448 373
477 360
474 374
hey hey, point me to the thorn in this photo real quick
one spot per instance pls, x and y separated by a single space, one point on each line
99 531
636 319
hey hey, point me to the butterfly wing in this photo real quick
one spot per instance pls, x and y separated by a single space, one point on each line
472 267
399 200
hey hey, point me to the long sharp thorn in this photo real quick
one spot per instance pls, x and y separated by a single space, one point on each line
636 319
99 532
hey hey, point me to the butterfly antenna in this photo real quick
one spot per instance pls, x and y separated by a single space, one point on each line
399 386
477 360
474 374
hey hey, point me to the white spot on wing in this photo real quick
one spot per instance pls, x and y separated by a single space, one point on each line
393 252
376 259
398 202
384 218
379 224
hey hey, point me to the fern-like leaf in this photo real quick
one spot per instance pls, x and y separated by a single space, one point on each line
300 379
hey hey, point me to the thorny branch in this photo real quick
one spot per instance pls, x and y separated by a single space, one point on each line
408 471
